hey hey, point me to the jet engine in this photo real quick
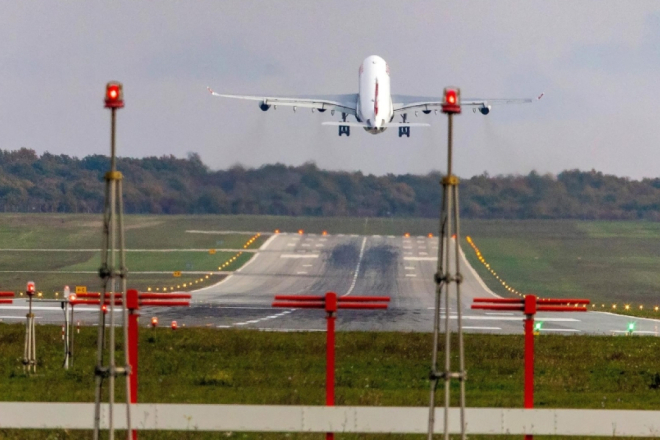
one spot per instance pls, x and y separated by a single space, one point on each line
484 109
426 112
263 106
321 110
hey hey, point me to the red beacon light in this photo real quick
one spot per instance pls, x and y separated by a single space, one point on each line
30 288
174 325
451 100
114 95
154 322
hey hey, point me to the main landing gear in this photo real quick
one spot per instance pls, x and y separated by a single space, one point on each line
404 131
344 129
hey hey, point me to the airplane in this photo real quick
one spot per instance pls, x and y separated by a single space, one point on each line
374 107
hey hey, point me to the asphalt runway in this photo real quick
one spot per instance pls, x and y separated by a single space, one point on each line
399 267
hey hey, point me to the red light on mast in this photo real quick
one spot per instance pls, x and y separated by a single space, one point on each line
30 288
451 101
114 95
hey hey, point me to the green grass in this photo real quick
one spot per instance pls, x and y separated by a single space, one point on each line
55 231
606 262
196 365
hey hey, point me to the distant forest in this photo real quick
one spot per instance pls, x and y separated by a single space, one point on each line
170 185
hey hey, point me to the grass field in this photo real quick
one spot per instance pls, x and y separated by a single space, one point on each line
606 262
75 232
382 369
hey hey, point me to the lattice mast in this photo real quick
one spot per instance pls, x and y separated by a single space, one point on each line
445 278
113 288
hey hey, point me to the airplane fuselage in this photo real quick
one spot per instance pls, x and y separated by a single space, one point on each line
374 106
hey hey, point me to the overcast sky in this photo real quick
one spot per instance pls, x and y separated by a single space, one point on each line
597 62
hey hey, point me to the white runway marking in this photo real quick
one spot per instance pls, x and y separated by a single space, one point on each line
299 256
500 313
481 328
636 331
320 245
409 268
420 258
423 253
559 330
390 236
18 317
307 265
301 273
357 268
506 318
411 275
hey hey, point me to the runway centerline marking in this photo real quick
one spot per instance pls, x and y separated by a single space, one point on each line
307 265
411 275
357 268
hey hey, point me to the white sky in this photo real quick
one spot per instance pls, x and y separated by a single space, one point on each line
596 61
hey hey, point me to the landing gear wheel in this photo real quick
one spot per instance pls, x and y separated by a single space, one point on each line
404 131
344 129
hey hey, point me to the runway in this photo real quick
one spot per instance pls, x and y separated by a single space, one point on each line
399 267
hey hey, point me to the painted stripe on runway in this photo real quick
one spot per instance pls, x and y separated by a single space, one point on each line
506 318
500 313
559 330
411 275
646 332
301 273
482 328
420 258
299 256
19 317
357 268
409 268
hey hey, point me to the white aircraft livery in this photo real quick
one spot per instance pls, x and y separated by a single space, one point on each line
374 107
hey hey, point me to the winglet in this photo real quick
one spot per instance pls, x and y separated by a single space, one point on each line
538 99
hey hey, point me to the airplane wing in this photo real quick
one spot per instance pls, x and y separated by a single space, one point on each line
389 125
343 103
403 103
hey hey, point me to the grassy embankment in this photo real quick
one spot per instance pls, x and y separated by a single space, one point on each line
389 369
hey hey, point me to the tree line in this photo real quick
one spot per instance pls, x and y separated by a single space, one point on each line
169 185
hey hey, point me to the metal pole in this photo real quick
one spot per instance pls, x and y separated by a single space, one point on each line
330 367
133 358
445 276
529 365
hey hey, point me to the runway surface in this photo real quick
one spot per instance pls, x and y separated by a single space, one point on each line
399 267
